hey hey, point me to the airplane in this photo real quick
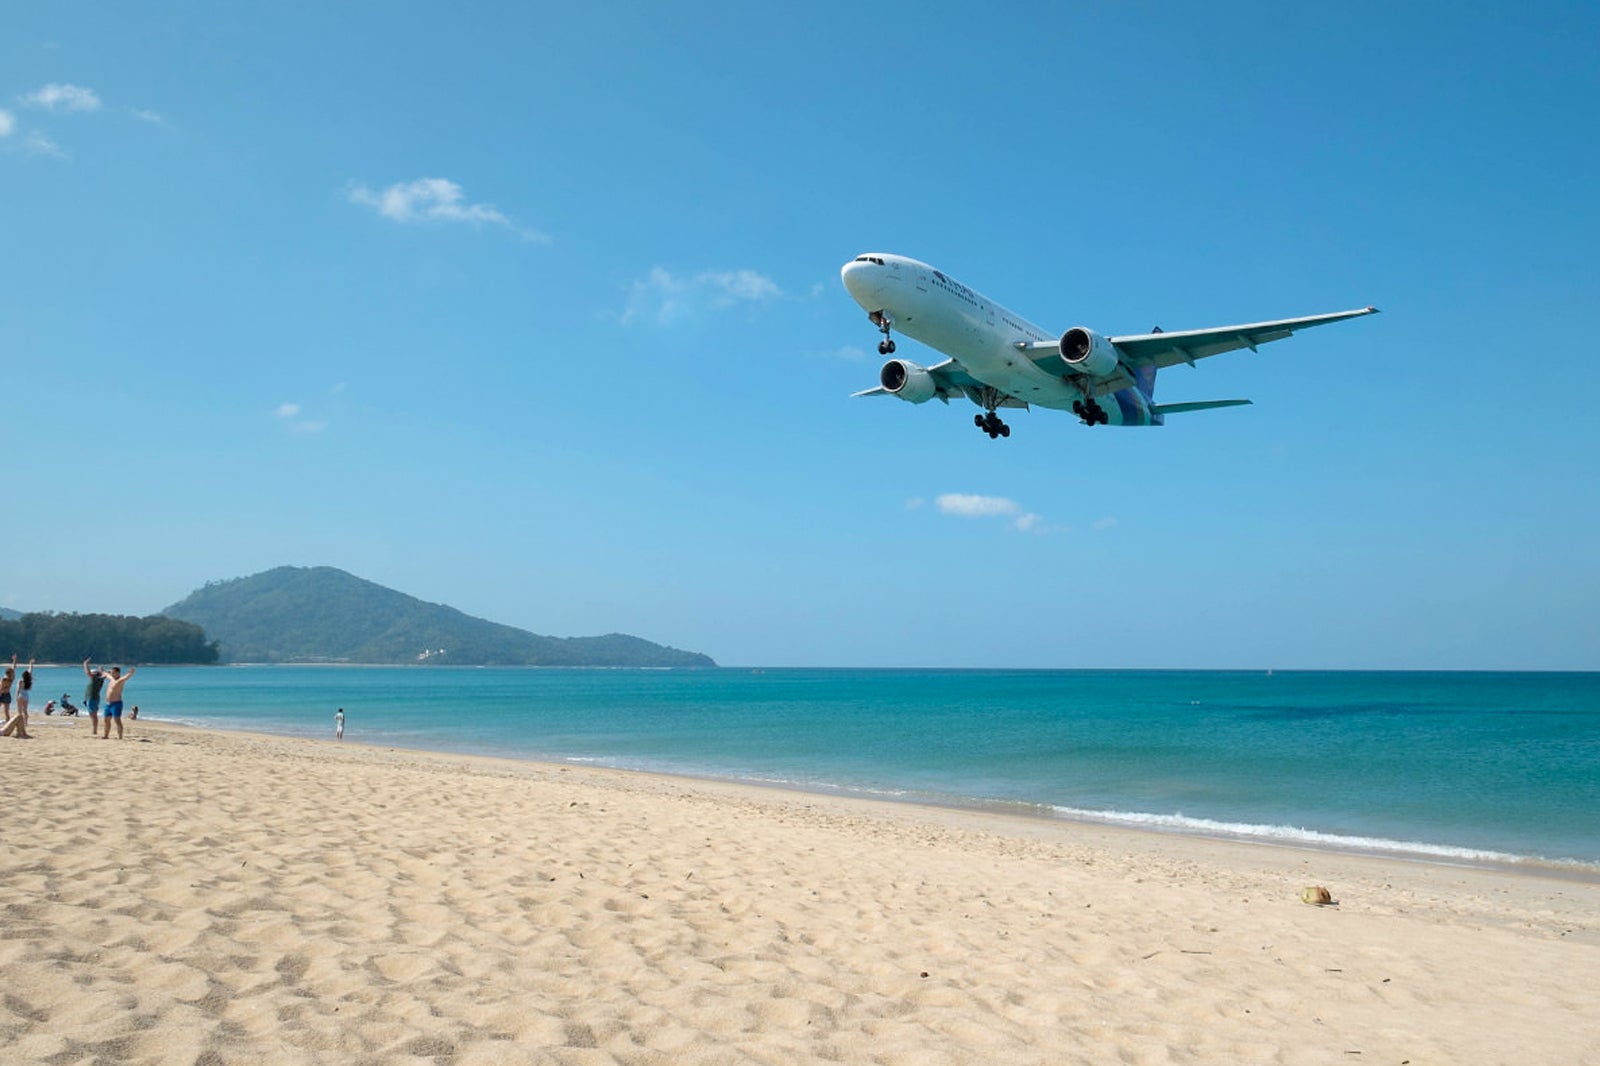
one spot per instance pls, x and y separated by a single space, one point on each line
997 358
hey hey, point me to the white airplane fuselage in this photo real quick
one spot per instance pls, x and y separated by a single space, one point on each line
931 307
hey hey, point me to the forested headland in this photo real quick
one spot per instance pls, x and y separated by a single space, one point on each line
106 638
322 614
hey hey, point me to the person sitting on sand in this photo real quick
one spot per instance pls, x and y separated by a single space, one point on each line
114 685
49 707
68 708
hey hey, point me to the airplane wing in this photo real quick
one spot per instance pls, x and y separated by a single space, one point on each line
950 379
1169 349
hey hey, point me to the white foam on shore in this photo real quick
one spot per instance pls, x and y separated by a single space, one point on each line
1292 835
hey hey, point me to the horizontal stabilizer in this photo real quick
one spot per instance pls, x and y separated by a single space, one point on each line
1200 405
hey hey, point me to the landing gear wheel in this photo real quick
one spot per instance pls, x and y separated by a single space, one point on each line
990 423
884 323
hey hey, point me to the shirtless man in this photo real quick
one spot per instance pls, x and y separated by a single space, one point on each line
114 685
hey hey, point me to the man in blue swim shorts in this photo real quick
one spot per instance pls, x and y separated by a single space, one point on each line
114 686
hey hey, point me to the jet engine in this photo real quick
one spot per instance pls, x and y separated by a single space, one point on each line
1086 352
908 381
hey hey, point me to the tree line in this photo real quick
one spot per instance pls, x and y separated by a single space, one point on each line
105 638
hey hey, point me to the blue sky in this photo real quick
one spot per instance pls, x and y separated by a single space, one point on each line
536 311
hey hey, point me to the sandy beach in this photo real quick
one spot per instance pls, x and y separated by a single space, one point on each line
189 896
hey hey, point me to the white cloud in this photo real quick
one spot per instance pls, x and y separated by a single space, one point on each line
152 117
1105 523
665 297
968 506
58 97
731 286
976 506
8 122
289 415
434 200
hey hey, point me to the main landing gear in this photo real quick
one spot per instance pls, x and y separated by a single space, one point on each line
990 423
882 320
1091 413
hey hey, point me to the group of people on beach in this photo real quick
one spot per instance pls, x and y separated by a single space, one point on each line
101 683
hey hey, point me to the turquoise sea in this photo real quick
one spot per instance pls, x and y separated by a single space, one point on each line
1449 766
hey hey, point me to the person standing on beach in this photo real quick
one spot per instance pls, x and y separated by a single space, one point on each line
91 695
114 686
16 725
338 724
5 687
25 689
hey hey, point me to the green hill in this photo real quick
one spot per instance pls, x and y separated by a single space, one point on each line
321 614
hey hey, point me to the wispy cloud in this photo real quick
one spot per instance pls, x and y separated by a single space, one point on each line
434 200
58 99
665 298
38 144
289 415
62 97
969 506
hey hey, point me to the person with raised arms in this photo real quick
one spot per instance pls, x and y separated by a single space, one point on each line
114 685
91 695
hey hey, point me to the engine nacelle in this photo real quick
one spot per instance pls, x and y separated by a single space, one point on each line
1086 352
908 381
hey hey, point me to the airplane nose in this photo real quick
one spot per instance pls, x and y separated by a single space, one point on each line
855 275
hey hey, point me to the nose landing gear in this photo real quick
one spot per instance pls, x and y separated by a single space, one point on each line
882 320
990 423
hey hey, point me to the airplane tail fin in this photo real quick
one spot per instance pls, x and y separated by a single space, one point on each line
1145 379
1201 405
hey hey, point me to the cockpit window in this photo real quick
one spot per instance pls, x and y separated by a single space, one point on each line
869 259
